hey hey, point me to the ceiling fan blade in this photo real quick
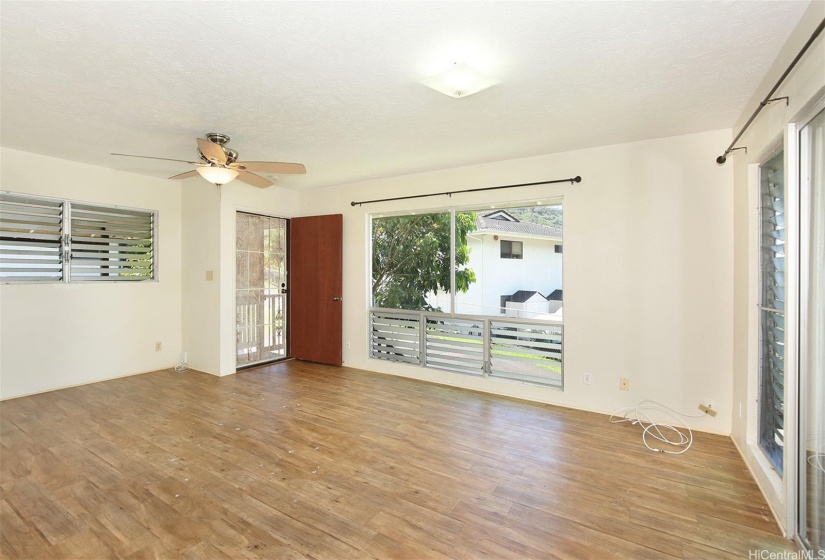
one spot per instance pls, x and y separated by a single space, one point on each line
186 175
212 151
254 180
161 158
274 167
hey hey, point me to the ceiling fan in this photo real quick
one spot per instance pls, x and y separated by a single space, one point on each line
219 164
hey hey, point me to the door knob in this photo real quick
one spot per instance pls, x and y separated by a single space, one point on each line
337 298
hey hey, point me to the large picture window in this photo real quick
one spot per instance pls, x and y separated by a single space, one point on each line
459 305
411 261
48 240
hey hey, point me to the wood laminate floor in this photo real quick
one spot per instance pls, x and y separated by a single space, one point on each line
305 461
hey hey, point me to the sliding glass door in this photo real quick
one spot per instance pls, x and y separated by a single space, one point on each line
811 497
260 284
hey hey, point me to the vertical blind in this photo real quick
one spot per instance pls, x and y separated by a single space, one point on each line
47 240
772 310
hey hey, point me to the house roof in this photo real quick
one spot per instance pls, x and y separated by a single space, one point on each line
523 295
489 224
501 215
555 296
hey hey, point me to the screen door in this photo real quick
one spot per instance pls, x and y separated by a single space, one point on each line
260 298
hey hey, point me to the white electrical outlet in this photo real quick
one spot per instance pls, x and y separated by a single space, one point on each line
158 346
624 383
587 379
349 345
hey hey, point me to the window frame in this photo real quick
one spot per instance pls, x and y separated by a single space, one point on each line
479 207
776 461
412 327
31 248
65 243
511 254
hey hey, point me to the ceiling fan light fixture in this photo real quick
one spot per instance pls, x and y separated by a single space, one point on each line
217 175
460 80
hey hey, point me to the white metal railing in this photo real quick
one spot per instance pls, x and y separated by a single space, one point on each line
519 349
260 333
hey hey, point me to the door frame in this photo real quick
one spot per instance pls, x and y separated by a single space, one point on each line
287 350
800 267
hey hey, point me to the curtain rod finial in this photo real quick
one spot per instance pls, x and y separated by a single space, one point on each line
721 159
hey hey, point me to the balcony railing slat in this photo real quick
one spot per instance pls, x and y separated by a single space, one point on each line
523 350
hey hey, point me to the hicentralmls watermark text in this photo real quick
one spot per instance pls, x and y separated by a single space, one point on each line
786 555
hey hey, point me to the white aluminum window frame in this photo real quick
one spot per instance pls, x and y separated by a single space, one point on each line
66 205
453 210
798 266
761 342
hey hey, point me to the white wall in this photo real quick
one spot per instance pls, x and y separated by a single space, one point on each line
59 335
201 321
769 128
209 234
647 279
56 335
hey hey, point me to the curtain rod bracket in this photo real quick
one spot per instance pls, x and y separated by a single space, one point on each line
768 99
724 157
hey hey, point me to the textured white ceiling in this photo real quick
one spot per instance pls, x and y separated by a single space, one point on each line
334 85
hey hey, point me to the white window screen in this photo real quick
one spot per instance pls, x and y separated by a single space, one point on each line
31 232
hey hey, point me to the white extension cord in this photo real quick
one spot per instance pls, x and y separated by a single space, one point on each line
182 365
677 434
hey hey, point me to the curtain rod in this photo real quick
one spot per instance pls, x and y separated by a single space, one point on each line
576 179
723 158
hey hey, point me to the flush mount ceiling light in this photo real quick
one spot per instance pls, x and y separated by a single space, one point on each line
460 80
217 175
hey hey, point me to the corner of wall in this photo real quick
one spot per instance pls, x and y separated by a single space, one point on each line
770 127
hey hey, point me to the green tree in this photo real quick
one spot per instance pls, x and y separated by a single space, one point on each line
411 258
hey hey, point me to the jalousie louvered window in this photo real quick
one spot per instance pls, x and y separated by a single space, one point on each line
110 243
31 239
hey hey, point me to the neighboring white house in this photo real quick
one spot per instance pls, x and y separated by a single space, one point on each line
518 269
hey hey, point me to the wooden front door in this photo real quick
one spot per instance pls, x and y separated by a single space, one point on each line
315 278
